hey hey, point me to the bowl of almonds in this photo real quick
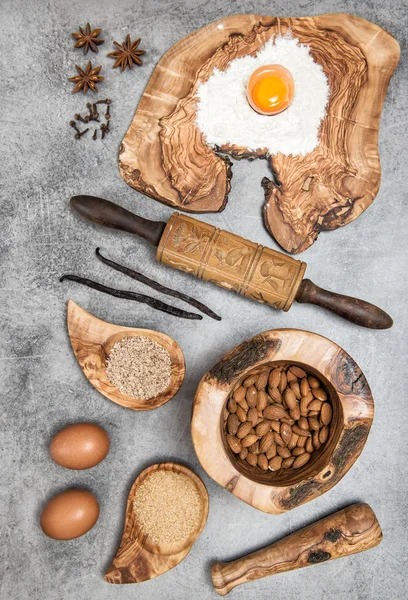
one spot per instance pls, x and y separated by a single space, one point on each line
281 418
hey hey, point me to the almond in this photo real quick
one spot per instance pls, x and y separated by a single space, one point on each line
313 382
297 371
304 387
262 428
251 396
319 394
249 381
314 413
309 445
254 448
298 451
271 452
243 454
288 462
243 430
285 432
274 378
252 459
302 441
239 395
275 394
315 439
252 416
262 400
234 443
283 382
241 414
283 452
262 380
304 402
278 440
266 441
300 431
275 426
290 377
290 399
324 434
303 423
274 411
314 423
275 463
315 404
232 424
295 413
296 389
232 405
293 441
263 462
326 413
301 460
249 440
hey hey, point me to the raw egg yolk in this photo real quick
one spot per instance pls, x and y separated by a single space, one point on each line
270 89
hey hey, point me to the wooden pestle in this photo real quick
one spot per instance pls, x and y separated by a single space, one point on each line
348 531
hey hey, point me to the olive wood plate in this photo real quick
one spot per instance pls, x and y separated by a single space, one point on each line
92 340
137 559
353 411
165 156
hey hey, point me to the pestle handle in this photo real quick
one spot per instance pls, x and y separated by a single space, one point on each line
345 532
357 311
104 212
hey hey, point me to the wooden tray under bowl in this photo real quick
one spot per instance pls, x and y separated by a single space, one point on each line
92 340
353 411
164 155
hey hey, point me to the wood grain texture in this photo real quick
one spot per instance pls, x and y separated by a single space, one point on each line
348 531
137 559
165 156
353 411
92 340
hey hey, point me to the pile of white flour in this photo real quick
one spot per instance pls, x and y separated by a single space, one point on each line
225 117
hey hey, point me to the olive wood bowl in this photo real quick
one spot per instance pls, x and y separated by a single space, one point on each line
353 411
137 559
92 340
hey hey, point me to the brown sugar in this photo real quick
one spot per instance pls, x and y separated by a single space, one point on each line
168 507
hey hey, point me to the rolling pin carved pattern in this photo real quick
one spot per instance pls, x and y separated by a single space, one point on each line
230 261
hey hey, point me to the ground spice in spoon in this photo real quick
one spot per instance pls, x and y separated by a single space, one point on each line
139 367
168 507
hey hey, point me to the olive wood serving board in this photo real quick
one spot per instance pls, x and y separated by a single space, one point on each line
164 155
349 531
353 412
137 559
92 340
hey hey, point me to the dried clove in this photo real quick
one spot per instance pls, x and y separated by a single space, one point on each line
74 126
107 101
95 134
107 114
104 129
78 117
81 133
95 114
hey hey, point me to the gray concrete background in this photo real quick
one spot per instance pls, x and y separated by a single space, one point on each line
42 385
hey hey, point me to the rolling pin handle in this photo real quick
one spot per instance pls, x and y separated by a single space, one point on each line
354 310
104 212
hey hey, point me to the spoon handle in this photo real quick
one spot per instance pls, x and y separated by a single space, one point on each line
104 212
345 532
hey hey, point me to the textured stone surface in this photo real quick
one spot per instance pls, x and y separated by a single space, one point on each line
42 386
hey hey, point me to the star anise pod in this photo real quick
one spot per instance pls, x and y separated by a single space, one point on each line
87 78
127 54
87 39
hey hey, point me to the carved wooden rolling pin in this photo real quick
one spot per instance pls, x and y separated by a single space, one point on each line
230 261
348 531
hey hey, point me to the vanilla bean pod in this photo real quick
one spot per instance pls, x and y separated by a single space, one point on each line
158 286
127 295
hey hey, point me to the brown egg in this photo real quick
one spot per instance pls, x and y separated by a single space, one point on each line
70 514
80 446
